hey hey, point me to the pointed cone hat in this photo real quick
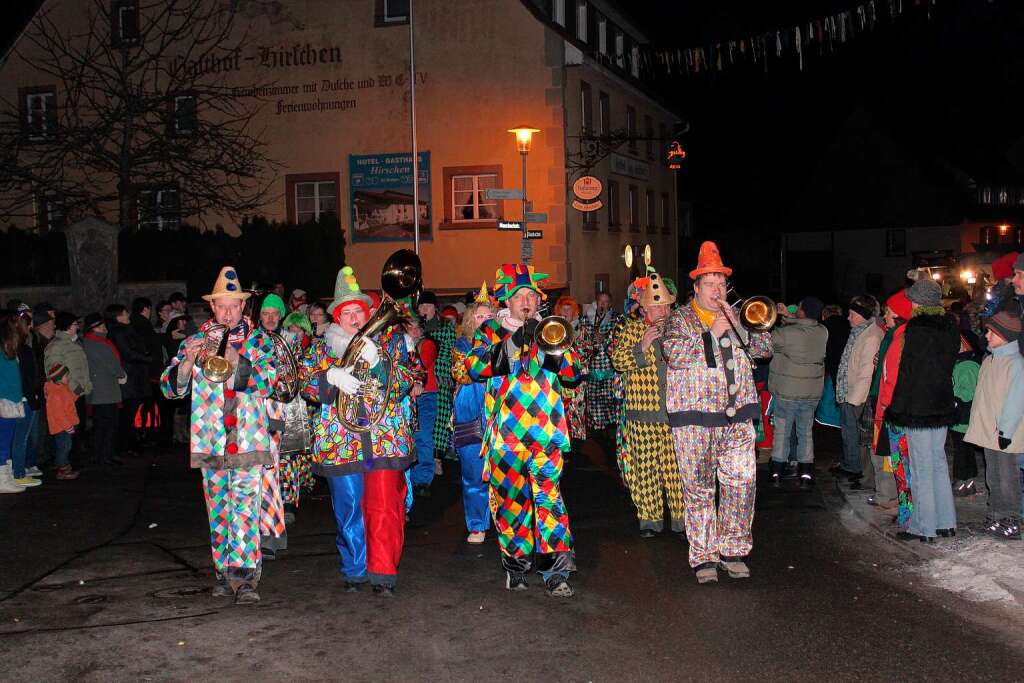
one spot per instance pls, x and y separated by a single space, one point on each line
227 286
346 289
654 291
709 261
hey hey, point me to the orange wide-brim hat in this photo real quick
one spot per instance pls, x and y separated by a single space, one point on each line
709 261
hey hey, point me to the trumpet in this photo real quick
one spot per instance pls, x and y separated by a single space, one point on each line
554 335
215 366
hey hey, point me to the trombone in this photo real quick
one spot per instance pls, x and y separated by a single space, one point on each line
755 313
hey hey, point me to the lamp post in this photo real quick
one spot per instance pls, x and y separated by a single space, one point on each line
524 138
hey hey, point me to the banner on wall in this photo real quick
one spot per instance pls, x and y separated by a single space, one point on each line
381 197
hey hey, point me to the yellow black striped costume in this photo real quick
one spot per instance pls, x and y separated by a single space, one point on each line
652 470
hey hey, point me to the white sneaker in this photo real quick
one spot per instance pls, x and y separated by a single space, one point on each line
476 537
28 482
33 472
7 483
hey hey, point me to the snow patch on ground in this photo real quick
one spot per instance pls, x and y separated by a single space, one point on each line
978 569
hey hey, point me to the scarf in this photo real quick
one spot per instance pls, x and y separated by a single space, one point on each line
842 379
102 339
707 318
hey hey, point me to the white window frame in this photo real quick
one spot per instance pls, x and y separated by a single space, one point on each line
122 8
317 198
558 12
478 199
581 20
48 209
175 120
160 220
602 36
48 99
620 50
388 19
634 66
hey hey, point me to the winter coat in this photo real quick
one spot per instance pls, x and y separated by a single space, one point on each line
797 370
151 341
104 370
31 384
388 445
229 419
861 368
709 382
61 414
923 395
998 406
838 332
68 352
965 381
135 358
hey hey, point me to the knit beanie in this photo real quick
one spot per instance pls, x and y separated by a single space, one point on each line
274 301
1006 325
65 320
812 306
925 292
900 304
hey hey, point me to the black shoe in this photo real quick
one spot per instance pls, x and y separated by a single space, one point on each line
776 469
384 590
246 595
946 533
558 587
515 582
221 589
648 533
907 536
1004 529
352 586
806 472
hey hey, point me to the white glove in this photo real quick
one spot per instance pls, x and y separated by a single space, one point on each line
344 380
369 353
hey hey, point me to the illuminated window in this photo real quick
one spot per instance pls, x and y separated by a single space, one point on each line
466 204
159 208
39 112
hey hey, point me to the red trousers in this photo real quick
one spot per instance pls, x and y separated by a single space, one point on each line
384 517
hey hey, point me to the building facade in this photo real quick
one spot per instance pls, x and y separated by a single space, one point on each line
331 81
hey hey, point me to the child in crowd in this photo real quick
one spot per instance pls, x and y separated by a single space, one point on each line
965 380
61 416
997 423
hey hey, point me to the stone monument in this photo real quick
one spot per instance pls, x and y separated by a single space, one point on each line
92 259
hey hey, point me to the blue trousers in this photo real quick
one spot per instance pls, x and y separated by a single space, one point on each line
789 416
423 471
929 482
474 489
347 501
7 428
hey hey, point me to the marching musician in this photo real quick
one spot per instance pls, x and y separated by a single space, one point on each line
364 469
712 403
273 532
651 471
526 435
230 440
602 398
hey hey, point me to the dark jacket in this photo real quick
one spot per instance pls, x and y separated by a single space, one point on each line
135 359
31 376
153 345
923 395
838 332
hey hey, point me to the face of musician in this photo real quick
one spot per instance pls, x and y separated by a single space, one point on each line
413 329
604 302
656 312
427 311
270 318
709 290
351 318
524 304
227 310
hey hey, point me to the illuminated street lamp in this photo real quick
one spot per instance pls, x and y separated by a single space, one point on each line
524 138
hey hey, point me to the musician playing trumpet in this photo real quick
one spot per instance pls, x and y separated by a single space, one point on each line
651 470
526 434
230 440
712 403
364 464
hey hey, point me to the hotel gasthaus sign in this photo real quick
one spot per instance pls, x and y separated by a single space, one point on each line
587 190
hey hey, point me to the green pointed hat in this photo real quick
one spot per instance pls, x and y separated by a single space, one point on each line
346 289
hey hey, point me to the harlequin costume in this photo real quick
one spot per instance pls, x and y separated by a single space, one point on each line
230 442
442 332
574 397
603 397
525 440
652 473
712 404
365 471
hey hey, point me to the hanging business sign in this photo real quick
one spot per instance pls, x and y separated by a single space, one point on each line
587 190
380 186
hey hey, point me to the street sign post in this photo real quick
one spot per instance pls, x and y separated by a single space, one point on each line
534 234
532 217
502 193
510 225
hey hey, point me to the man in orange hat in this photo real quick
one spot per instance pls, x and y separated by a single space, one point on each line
712 404
230 439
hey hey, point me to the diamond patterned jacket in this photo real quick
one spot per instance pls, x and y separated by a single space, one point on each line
643 372
229 420
523 405
710 381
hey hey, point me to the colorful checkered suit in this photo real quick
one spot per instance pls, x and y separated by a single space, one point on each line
525 437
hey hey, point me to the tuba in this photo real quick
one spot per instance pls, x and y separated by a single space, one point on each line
286 384
215 366
360 412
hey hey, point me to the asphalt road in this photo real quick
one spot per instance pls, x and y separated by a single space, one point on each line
91 590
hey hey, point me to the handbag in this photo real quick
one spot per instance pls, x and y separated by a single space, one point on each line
468 433
11 410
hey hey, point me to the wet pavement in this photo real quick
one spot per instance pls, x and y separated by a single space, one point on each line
108 577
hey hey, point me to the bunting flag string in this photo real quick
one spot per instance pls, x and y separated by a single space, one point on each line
823 35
